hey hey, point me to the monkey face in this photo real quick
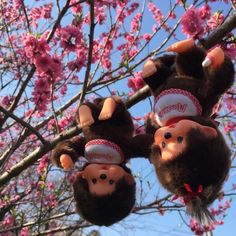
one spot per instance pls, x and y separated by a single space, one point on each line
171 140
102 178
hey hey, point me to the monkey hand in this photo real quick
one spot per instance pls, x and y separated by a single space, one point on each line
66 162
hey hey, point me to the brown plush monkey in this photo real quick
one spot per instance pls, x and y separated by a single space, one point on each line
189 153
104 190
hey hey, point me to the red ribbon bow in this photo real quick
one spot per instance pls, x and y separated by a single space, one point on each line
191 194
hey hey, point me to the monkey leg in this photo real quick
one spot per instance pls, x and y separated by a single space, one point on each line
108 109
189 59
181 46
85 116
214 58
156 71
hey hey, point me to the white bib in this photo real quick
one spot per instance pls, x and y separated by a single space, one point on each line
174 103
103 151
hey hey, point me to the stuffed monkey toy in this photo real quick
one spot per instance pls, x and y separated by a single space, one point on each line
189 153
104 190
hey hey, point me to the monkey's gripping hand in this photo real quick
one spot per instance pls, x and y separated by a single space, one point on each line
67 152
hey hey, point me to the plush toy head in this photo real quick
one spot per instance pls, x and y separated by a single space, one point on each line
104 194
102 178
192 153
172 139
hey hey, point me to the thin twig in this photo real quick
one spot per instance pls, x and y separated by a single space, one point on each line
23 123
90 51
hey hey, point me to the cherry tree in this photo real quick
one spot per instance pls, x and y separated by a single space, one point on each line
54 55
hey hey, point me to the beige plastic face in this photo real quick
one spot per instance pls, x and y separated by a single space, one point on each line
102 178
172 139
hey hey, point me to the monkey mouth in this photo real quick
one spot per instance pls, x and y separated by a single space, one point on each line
104 167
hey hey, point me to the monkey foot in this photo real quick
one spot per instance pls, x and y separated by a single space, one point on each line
66 162
181 46
108 109
85 116
214 58
149 69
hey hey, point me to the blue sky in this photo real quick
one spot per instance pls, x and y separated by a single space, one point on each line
154 224
170 224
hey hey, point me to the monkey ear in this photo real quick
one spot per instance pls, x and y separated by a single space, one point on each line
208 131
129 178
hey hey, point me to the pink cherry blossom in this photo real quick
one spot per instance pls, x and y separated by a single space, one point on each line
6 101
172 15
70 37
156 12
215 20
136 82
133 7
17 4
147 37
44 161
9 220
34 47
192 23
230 127
135 23
230 51
205 12
42 62
24 232
41 94
42 12
77 8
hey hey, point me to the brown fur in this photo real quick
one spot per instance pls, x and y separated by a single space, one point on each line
206 161
119 129
105 210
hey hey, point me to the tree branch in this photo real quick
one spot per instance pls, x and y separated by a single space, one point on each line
212 39
23 123
36 155
217 35
90 51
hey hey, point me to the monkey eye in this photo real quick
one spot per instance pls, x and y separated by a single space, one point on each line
94 181
111 181
180 139
163 144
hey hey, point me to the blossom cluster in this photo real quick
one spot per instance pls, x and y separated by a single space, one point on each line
44 57
42 12
48 68
158 16
220 211
198 21
136 82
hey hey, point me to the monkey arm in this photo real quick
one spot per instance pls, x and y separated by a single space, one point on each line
151 125
156 71
140 145
73 147
220 78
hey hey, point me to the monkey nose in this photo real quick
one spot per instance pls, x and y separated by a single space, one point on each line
103 176
167 135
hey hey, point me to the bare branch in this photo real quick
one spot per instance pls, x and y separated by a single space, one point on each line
91 37
23 123
217 35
